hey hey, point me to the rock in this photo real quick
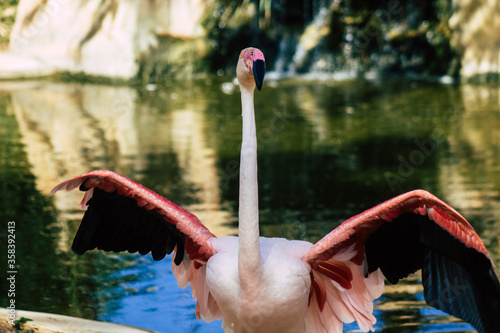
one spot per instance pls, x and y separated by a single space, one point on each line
21 66
100 38
51 323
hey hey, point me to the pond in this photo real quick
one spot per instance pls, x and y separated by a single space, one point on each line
327 150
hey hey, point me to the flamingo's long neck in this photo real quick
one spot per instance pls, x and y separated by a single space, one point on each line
249 260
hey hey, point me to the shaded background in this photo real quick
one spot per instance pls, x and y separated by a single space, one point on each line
154 40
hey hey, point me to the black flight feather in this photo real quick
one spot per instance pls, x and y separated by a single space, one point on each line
116 223
457 279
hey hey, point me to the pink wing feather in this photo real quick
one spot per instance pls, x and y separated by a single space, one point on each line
418 201
189 267
109 181
345 282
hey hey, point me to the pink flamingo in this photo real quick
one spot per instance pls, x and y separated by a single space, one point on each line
259 284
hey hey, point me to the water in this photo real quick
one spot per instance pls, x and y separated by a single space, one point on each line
327 150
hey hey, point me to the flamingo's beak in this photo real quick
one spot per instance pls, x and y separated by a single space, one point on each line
259 68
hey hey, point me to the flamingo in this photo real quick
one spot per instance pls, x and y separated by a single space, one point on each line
258 284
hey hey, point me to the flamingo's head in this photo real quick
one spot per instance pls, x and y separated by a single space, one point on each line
251 68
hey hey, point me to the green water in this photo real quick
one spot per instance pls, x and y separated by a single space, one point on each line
327 150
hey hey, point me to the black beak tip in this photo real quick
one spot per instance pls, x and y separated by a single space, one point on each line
259 71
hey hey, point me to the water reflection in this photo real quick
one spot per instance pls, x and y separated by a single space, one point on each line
43 281
327 150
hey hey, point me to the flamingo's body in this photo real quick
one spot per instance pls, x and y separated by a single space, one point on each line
275 285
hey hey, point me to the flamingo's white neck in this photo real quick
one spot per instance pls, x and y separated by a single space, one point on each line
249 260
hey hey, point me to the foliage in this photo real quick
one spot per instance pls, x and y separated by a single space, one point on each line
390 36
18 325
7 16
394 36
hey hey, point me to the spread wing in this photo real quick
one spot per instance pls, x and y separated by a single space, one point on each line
413 231
122 215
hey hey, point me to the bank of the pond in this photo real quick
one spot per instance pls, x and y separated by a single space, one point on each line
42 322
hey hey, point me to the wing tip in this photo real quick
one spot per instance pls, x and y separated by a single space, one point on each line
75 182
67 185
